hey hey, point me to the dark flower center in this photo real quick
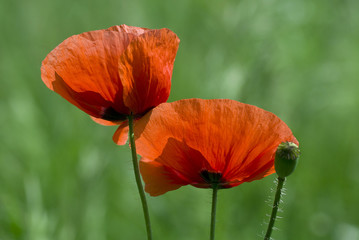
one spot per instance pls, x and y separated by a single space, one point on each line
111 114
211 177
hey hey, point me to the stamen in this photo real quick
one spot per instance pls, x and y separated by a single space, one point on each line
211 177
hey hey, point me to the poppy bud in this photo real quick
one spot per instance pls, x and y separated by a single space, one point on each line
286 158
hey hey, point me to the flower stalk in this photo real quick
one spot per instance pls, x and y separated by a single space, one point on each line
138 178
275 208
214 208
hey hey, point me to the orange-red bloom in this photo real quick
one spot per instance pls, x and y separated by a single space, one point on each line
204 142
112 73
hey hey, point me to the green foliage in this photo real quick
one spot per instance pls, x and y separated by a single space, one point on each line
62 177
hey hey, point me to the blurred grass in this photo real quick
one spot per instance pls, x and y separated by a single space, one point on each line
62 177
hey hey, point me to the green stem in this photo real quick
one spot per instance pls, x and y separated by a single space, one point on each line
138 178
275 208
214 208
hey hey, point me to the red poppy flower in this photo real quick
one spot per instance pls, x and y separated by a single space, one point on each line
112 73
205 142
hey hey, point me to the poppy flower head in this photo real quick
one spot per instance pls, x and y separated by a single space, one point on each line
204 142
114 72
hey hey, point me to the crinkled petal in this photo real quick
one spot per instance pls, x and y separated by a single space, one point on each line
235 139
158 178
178 164
84 69
145 69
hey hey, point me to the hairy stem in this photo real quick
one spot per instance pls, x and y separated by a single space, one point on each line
275 208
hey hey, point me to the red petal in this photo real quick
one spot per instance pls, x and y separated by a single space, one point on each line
158 178
121 135
105 122
177 166
235 139
84 69
146 69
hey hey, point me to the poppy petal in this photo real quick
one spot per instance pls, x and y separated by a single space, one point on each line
184 161
178 165
158 179
90 102
121 135
145 69
104 122
84 69
236 140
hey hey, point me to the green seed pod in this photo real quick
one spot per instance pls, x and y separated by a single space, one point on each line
286 159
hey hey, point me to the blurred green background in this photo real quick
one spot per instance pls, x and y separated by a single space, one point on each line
62 177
